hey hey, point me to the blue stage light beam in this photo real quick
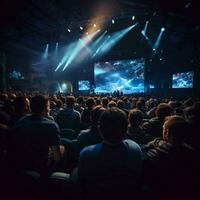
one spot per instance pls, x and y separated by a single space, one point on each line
115 38
145 27
85 46
46 52
66 56
158 40
96 43
105 40
144 33
56 49
78 47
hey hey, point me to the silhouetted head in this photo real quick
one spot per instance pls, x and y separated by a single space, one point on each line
135 118
175 129
70 101
113 125
39 104
163 110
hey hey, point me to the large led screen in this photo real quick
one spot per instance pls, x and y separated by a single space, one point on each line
183 80
126 76
83 85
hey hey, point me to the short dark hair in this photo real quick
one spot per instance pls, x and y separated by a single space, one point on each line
112 104
38 103
135 117
70 101
163 110
177 128
113 125
120 104
59 103
90 102
96 113
105 101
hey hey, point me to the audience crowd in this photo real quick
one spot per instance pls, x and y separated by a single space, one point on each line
59 146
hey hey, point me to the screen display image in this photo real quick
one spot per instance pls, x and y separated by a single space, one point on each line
126 76
16 75
83 85
183 80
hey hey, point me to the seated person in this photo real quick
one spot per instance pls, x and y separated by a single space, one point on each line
35 139
86 113
112 162
154 126
69 118
22 108
91 135
135 132
170 165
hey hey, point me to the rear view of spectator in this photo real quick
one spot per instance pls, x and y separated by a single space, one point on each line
111 163
86 114
135 131
105 102
155 125
171 166
32 138
22 108
68 117
121 105
91 136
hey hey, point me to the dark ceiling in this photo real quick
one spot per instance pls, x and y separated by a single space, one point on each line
30 24
50 18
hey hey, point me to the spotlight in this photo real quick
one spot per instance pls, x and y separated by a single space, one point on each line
68 30
64 86
143 33
161 59
113 21
162 29
154 49
133 17
86 33
81 27
94 25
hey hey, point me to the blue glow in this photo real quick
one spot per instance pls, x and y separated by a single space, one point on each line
66 56
144 33
78 47
16 75
101 46
68 30
158 40
83 85
56 49
64 86
125 75
46 52
183 80
97 42
162 29
113 39
145 27
151 86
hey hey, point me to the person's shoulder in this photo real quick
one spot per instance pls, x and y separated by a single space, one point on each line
90 150
84 133
132 145
49 122
23 120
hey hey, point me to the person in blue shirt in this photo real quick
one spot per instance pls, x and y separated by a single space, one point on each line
115 159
